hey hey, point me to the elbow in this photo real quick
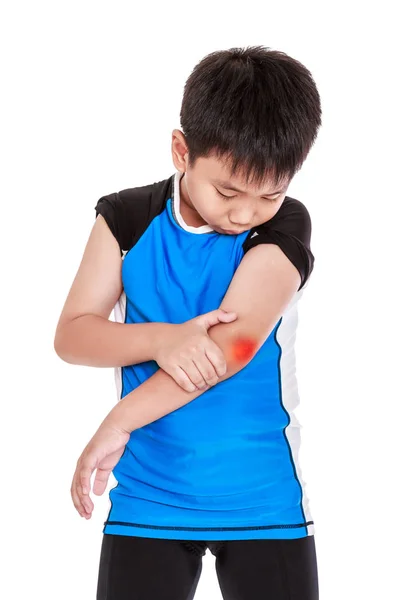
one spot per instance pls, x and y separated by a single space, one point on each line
238 347
57 345
58 349
243 349
240 351
61 347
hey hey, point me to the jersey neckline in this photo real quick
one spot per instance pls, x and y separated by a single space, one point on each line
176 212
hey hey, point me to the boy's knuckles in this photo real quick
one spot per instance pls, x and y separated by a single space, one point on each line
208 375
219 363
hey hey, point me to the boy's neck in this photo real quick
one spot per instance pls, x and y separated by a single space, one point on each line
187 210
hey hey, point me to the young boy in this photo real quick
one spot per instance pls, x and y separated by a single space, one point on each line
204 271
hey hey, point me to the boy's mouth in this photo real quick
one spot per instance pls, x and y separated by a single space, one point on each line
231 232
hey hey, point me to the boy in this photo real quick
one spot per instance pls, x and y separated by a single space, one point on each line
204 271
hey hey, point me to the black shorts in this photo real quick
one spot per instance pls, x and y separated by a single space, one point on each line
140 568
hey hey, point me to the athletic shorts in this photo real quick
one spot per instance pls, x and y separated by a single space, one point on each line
140 568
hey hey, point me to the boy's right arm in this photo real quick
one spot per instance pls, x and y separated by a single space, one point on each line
84 334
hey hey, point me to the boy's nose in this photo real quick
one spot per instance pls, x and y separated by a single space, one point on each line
242 219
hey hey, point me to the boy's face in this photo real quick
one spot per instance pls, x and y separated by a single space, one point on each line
201 200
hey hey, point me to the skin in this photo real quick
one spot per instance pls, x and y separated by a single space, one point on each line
201 203
261 289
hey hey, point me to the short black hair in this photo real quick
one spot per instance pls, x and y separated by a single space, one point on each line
257 109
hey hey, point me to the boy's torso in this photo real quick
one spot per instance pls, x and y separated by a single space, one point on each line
228 458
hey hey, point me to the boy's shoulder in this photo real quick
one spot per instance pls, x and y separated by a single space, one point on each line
290 208
290 229
292 218
156 192
129 211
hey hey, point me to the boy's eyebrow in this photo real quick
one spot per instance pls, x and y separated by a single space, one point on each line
227 185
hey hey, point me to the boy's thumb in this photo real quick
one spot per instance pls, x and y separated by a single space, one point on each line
226 315
217 316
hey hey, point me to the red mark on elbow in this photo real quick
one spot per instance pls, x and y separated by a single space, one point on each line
243 349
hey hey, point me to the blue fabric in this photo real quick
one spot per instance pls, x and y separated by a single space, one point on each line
219 467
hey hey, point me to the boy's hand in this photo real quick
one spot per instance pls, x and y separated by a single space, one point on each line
190 356
102 453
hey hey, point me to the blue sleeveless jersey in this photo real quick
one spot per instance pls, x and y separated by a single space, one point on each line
224 466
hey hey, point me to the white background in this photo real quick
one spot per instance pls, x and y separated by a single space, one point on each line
91 92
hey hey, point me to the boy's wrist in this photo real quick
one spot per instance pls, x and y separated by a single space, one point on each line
160 338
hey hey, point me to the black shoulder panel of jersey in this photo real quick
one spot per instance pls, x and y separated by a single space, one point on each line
290 229
129 212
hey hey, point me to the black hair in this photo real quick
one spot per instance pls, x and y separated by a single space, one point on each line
256 109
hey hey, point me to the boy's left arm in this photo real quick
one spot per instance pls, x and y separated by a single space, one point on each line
261 289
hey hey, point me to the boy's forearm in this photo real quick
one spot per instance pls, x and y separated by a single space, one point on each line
154 398
93 341
160 394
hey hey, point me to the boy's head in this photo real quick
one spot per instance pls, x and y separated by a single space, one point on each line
249 117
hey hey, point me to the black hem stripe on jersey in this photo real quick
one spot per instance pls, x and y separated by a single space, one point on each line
256 527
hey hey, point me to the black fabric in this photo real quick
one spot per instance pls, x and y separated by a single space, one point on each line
290 229
140 568
129 212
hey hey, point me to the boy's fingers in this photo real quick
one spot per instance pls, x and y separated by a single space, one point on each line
227 317
214 317
75 497
100 481
217 358
207 370
85 500
76 501
85 474
195 375
81 481
182 379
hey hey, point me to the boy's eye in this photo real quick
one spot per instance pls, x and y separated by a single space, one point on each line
224 195
268 199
